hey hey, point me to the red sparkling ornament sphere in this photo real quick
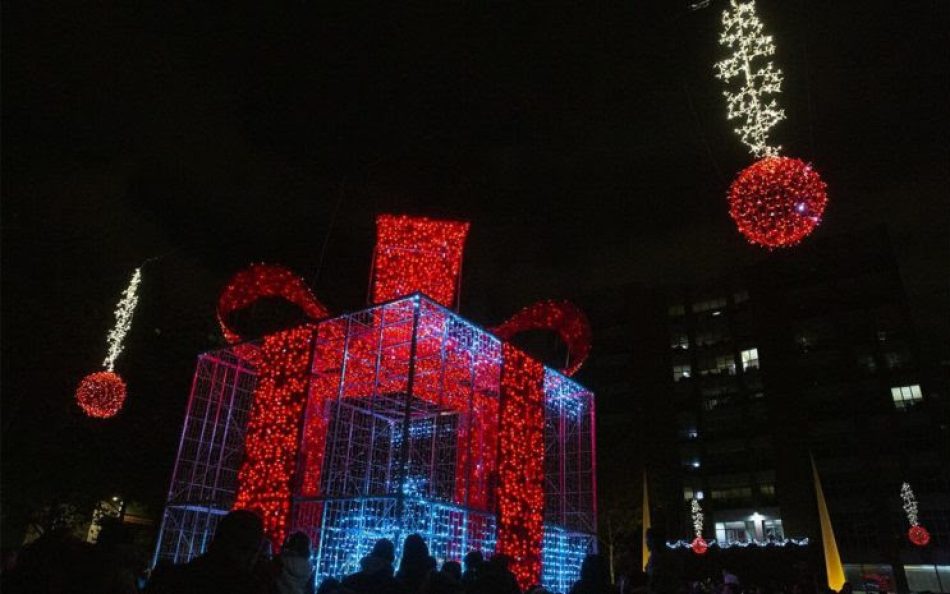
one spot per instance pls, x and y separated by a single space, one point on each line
918 535
777 201
101 394
699 545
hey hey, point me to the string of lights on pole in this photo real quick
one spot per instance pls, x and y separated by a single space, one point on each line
102 393
917 534
698 545
777 201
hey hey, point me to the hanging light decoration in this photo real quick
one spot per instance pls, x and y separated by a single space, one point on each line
776 201
698 545
917 534
101 394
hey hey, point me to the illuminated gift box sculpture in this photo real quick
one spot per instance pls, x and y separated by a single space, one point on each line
400 418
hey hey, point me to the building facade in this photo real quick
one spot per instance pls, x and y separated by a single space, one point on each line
811 352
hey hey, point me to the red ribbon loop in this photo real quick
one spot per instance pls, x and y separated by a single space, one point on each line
264 280
563 317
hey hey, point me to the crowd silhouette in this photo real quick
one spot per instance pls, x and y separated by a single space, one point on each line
238 561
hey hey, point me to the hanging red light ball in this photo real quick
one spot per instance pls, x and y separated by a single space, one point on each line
699 546
918 535
777 201
101 394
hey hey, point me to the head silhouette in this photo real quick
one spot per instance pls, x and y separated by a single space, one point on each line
384 549
238 537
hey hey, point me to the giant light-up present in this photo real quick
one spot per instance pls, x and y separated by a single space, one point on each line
403 417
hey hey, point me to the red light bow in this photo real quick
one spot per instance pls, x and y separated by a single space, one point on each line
264 280
562 317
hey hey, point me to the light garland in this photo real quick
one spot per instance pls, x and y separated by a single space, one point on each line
698 545
786 542
743 33
123 320
697 513
917 534
776 201
101 394
910 504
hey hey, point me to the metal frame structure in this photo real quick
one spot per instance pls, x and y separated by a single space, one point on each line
398 435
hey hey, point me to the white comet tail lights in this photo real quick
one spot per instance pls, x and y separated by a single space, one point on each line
123 320
750 102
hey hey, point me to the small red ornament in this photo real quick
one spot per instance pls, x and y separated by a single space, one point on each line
699 545
101 394
918 535
777 201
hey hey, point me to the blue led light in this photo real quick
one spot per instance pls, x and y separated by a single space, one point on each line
564 394
373 484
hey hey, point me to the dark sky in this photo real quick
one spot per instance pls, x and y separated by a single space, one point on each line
586 142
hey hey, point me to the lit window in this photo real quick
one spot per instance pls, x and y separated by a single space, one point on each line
722 364
710 305
767 489
676 310
906 396
773 530
687 493
679 341
735 532
680 372
750 359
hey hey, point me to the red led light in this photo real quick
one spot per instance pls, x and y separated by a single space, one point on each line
101 394
562 317
918 535
264 280
777 201
417 254
520 491
699 545
300 370
273 429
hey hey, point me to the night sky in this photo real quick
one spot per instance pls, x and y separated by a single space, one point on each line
586 142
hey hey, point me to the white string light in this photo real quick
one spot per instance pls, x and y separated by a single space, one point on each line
910 504
791 542
123 320
697 513
743 33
